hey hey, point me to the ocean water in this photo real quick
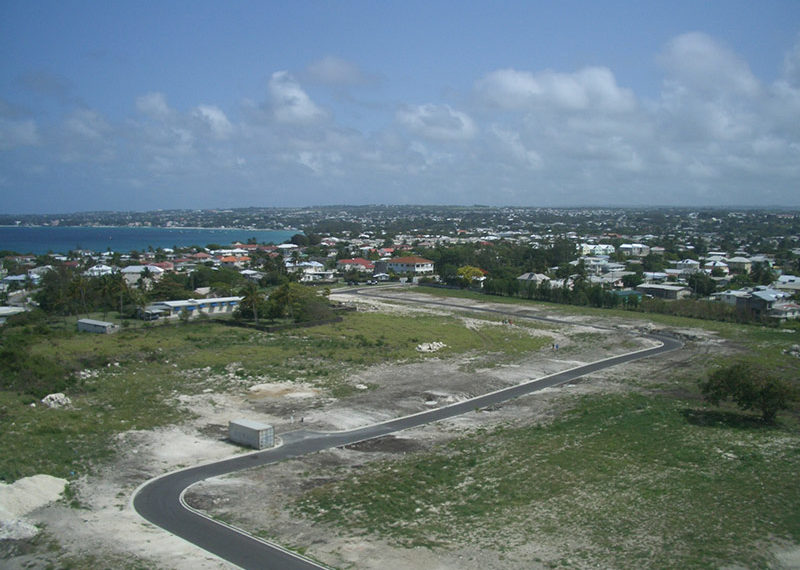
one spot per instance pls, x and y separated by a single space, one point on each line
57 239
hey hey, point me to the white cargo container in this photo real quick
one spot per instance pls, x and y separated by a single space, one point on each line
252 434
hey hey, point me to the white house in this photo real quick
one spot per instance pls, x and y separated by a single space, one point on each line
731 297
688 266
634 249
411 264
664 291
710 266
194 307
133 273
654 276
790 283
99 270
785 311
251 274
357 264
533 278
596 249
739 264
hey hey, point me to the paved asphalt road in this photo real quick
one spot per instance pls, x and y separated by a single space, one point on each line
160 500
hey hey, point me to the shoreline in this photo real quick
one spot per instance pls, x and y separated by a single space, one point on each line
41 240
220 228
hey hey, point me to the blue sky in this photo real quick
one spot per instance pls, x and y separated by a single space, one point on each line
143 105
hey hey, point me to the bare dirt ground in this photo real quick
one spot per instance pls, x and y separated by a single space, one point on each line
106 526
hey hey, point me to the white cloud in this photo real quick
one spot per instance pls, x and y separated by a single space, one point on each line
590 88
791 65
437 122
290 104
335 71
513 142
87 124
698 62
320 163
216 120
15 134
154 105
714 134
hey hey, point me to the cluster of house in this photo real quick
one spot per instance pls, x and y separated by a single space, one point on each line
374 261
773 301
767 301
238 257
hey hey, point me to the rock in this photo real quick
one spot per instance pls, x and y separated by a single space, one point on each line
18 529
57 400
430 346
793 351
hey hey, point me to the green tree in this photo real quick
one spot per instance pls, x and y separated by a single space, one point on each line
54 293
468 274
653 263
750 388
253 304
762 274
299 303
171 287
701 284
632 280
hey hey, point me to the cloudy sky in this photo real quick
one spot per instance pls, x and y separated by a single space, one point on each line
131 105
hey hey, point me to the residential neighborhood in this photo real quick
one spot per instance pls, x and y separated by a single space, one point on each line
603 258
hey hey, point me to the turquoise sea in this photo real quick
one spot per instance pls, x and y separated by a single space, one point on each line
58 239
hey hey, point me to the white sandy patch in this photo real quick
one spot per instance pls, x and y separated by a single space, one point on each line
220 408
28 494
788 558
176 447
282 390
394 306
23 497
347 418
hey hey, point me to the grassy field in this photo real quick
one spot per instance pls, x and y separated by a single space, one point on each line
129 380
637 481
762 345
654 478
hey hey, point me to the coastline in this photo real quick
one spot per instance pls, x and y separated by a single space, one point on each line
226 228
60 239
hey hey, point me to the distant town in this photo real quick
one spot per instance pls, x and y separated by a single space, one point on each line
722 264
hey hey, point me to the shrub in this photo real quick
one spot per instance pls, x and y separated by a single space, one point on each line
750 388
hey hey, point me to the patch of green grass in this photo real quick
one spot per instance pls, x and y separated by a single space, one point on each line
137 374
641 484
788 331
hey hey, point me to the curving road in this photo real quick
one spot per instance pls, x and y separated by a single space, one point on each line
160 500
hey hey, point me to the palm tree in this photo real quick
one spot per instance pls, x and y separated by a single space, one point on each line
252 298
79 286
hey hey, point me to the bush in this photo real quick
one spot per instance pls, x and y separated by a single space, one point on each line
299 303
750 388
25 373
